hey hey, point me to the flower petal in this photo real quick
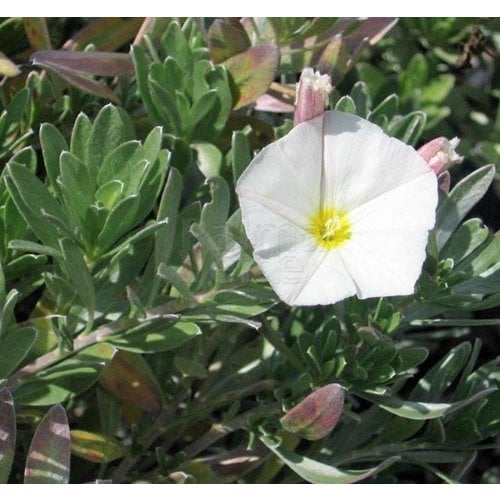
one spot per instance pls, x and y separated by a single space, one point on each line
329 283
387 249
281 249
361 162
290 165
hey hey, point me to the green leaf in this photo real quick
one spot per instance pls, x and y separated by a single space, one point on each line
252 72
109 194
79 275
111 128
410 357
53 144
122 249
165 237
14 112
361 98
130 379
483 262
190 367
172 277
153 338
118 222
16 346
408 128
460 200
388 107
420 410
32 200
119 162
201 108
436 91
209 158
31 246
241 154
165 107
7 310
8 433
142 71
76 185
175 44
432 386
80 137
67 378
96 447
110 412
346 105
469 236
49 454
319 473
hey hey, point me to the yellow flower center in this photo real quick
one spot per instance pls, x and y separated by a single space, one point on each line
330 227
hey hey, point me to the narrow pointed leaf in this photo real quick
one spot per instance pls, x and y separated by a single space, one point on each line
107 33
156 339
460 201
67 378
320 473
95 447
419 410
49 455
17 345
91 63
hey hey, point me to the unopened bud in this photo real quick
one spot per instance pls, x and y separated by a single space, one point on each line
313 90
318 414
440 154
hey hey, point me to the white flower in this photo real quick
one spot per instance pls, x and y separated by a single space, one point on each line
337 208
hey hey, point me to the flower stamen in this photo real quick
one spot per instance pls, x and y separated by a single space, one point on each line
330 227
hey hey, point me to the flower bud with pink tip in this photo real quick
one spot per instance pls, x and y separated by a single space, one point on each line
313 90
440 154
318 414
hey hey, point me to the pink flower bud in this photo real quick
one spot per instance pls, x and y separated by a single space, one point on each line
313 90
318 414
440 154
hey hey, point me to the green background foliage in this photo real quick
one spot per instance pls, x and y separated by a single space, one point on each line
132 316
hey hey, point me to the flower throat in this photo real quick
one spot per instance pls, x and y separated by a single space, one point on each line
330 227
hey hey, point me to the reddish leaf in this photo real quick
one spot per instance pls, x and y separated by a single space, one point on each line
272 104
83 82
130 379
91 63
96 447
49 455
108 33
252 72
154 27
37 33
7 434
373 28
226 37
